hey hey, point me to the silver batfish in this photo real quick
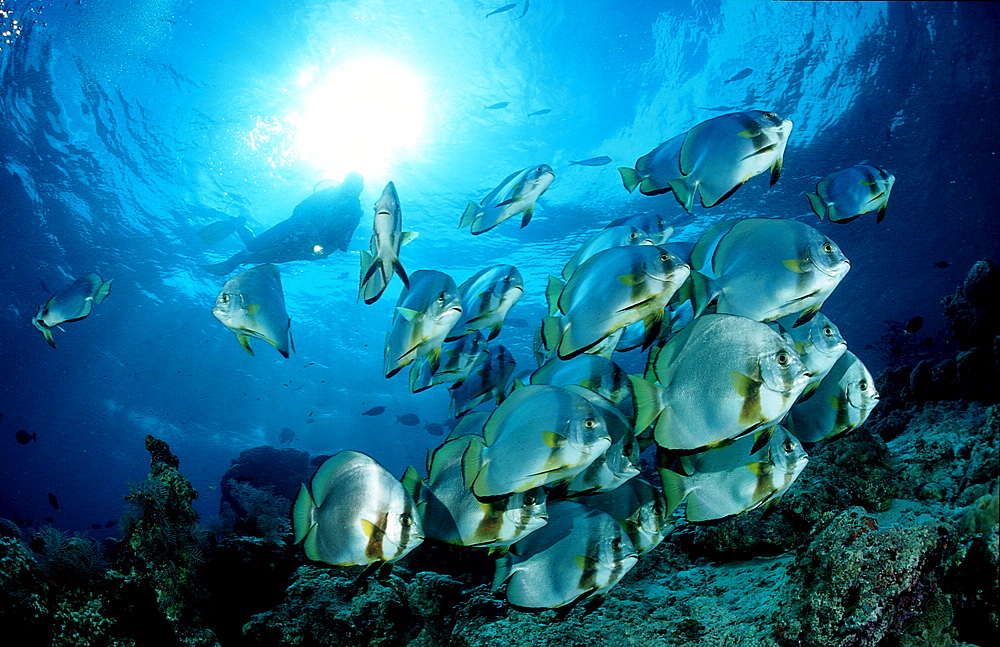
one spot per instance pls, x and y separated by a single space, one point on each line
840 404
71 303
579 554
487 297
720 154
611 290
722 376
640 509
765 269
452 514
818 343
378 266
729 480
425 313
252 304
515 195
655 170
847 194
617 236
355 513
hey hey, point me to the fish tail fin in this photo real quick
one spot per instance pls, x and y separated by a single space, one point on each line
683 193
552 291
246 236
103 291
526 216
819 207
647 400
302 514
225 267
630 178
468 215
373 282
673 488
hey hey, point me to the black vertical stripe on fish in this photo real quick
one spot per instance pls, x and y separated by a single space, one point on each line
588 570
405 528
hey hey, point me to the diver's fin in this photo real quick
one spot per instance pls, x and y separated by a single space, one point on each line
225 267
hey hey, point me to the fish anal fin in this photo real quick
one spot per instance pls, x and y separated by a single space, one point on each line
245 343
526 216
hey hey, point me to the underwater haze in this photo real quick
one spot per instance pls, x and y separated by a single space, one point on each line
126 128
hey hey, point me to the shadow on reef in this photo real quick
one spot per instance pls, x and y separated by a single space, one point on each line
891 541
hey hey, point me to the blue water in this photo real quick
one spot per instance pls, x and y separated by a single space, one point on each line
125 127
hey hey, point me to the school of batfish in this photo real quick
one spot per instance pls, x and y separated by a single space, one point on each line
742 371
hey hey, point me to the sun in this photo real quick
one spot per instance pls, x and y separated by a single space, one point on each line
364 116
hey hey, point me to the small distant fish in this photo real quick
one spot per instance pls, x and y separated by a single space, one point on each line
543 111
45 288
506 7
721 108
374 411
742 74
497 106
24 437
593 161
913 325
110 523
53 501
96 526
434 428
408 419
71 303
310 421
286 436
517 322
942 264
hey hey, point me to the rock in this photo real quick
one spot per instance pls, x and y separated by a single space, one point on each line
974 310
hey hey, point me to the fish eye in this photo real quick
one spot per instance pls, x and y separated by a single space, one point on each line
225 298
529 499
828 331
405 520
788 446
664 257
828 248
616 543
589 423
441 297
863 385
784 359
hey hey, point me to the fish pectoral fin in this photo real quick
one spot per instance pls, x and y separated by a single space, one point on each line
245 343
251 309
632 279
745 385
407 237
583 562
48 337
794 264
760 468
469 215
552 439
881 212
408 313
372 531
776 170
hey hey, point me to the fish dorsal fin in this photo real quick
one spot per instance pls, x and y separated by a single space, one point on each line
447 454
472 461
408 313
413 483
323 481
251 309
761 439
